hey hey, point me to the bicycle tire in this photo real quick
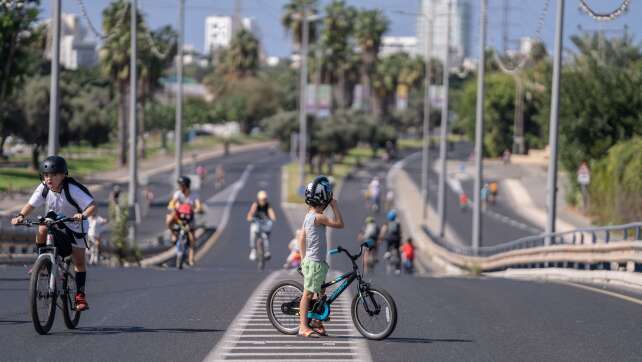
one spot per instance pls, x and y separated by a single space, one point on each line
182 250
271 303
69 312
42 265
390 315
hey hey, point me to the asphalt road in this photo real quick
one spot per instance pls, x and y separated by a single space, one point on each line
167 315
494 230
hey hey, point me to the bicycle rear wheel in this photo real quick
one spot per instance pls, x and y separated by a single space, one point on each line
43 303
374 313
69 312
283 306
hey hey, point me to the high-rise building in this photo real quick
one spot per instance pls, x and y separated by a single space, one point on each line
77 48
219 31
460 29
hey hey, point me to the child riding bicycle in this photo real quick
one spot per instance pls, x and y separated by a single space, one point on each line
313 244
64 196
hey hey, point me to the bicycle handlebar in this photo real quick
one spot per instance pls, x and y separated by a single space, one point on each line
45 221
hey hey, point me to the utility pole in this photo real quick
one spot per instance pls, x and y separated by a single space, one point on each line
425 150
554 127
505 24
178 132
302 96
133 134
54 98
441 205
479 130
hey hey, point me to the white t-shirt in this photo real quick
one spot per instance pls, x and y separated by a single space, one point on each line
375 187
182 199
57 202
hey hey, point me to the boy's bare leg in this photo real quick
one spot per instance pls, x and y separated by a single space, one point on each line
303 312
41 236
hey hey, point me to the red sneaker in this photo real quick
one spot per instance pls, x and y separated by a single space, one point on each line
81 302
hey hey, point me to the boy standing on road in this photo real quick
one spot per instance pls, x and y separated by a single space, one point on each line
313 244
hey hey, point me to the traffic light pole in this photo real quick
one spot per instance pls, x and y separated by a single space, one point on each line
54 98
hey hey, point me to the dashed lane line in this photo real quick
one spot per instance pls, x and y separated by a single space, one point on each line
251 336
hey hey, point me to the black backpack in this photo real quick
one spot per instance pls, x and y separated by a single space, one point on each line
393 234
65 187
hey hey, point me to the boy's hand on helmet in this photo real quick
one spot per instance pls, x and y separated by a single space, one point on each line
333 202
78 217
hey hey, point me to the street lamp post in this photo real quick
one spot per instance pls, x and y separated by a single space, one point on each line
178 132
425 149
441 205
479 131
554 129
133 170
54 98
302 96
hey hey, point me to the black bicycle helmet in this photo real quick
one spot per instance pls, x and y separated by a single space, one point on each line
184 180
54 164
318 192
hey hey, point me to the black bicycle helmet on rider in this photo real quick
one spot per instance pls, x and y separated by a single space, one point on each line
318 192
185 181
54 164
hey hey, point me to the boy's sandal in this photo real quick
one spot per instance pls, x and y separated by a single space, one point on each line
310 333
319 328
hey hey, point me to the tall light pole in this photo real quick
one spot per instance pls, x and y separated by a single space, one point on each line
479 131
178 131
303 132
425 147
441 205
551 184
54 98
133 167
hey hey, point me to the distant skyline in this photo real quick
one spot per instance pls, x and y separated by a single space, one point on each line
275 41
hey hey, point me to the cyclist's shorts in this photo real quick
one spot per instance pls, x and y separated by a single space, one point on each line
314 273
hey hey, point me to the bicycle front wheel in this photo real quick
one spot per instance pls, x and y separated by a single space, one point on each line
374 313
283 306
69 312
43 303
260 255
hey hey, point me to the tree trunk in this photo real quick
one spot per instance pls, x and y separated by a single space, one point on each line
35 155
2 142
122 124
141 126
339 91
164 140
365 91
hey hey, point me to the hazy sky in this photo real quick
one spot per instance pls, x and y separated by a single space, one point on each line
267 13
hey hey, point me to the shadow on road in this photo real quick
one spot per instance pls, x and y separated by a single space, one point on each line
21 279
136 329
12 322
426 340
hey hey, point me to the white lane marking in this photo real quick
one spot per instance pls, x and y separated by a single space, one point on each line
248 339
607 292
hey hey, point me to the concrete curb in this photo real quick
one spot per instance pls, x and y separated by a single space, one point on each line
619 278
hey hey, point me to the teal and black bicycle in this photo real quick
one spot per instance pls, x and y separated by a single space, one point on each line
373 310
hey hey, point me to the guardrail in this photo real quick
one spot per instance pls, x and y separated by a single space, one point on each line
615 247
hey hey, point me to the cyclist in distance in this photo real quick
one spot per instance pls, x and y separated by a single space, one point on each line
260 215
66 197
183 195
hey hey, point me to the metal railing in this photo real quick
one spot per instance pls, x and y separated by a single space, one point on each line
582 236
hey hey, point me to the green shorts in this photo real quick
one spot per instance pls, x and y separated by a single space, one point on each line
314 273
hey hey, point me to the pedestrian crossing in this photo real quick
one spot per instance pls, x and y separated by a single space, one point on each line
252 337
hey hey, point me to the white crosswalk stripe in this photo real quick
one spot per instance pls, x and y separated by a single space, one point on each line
252 337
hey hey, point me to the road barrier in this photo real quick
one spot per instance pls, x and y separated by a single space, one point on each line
599 248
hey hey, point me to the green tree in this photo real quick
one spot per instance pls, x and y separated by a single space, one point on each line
370 25
241 58
292 20
115 58
338 25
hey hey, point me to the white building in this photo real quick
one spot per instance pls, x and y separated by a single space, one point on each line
460 29
219 31
77 48
398 44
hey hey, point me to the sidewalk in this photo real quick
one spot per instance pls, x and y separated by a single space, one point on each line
147 167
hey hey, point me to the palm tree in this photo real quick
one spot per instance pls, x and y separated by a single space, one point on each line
338 25
385 79
153 66
370 25
241 58
292 20
115 58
